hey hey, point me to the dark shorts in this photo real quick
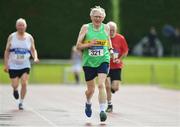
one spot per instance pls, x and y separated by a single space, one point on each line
91 72
18 73
115 74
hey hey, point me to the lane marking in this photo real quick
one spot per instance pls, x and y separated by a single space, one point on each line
125 119
159 109
43 117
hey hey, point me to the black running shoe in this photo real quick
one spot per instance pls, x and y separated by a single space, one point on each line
16 94
21 106
109 108
103 116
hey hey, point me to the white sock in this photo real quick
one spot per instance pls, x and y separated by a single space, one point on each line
109 103
102 107
88 102
21 101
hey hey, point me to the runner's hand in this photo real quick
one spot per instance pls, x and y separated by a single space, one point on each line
112 55
6 68
92 43
36 60
117 61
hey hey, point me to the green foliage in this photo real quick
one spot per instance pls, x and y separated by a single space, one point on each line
137 16
55 24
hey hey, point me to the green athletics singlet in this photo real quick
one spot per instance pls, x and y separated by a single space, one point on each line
98 54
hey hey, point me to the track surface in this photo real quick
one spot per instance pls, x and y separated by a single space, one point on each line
61 106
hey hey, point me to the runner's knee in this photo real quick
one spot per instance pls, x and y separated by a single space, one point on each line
101 86
15 85
24 82
115 87
90 91
108 86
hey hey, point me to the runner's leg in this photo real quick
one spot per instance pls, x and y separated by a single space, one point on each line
108 89
102 95
77 77
89 93
90 90
109 95
115 85
15 84
24 82
102 91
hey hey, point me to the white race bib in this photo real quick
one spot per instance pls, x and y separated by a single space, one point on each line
19 56
96 52
20 53
116 54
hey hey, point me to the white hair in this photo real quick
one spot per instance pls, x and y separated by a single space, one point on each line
21 20
111 23
98 9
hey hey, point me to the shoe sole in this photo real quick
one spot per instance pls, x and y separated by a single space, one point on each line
103 117
109 111
88 114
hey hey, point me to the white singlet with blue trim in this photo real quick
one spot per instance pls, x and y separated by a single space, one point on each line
19 57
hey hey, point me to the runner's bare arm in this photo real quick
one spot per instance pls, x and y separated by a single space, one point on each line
107 30
6 53
118 60
80 45
34 51
124 55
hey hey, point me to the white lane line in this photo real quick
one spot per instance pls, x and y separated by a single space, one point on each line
153 107
43 117
2 98
125 119
96 110
134 122
151 63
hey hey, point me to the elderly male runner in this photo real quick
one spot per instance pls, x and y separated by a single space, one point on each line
20 46
95 43
120 48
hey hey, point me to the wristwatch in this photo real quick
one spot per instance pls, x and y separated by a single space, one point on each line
111 50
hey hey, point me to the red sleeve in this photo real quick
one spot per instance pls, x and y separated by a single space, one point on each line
124 45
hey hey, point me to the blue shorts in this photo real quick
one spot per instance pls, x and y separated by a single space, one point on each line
91 72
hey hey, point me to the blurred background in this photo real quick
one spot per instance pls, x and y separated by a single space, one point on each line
151 28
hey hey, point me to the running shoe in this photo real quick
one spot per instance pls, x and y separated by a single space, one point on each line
103 116
88 110
16 94
21 106
109 108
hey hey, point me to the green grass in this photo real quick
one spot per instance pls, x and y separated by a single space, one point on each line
138 70
170 86
41 73
152 70
46 74
134 74
162 71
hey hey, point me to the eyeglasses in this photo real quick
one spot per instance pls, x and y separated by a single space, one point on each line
98 17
